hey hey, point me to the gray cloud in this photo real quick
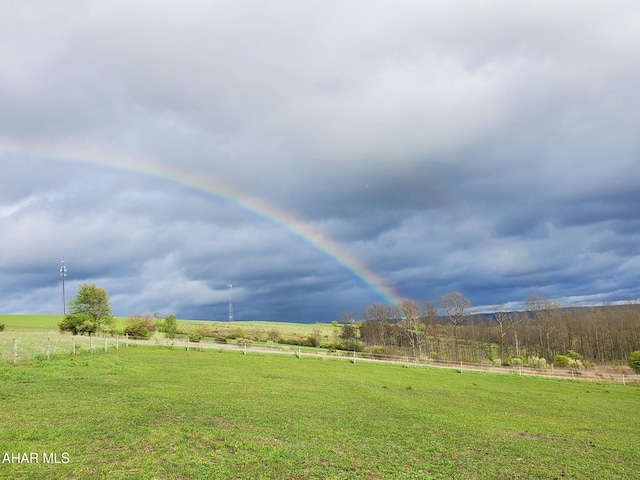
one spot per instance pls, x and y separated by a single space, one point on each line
490 149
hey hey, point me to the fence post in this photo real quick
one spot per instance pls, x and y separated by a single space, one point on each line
245 349
105 344
187 344
15 350
117 342
623 379
91 343
127 342
48 348
73 346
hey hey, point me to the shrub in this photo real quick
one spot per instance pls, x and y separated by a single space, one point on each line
136 329
237 333
298 340
574 355
78 323
148 321
1 327
518 361
316 337
169 326
634 361
574 365
561 361
378 351
274 336
195 337
241 342
537 362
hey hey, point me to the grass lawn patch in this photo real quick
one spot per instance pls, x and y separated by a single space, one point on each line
154 412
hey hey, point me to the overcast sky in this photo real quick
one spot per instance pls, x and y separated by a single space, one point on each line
490 148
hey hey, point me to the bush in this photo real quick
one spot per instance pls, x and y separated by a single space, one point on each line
78 323
136 329
1 327
574 355
561 361
634 361
537 362
274 336
150 323
574 365
169 326
241 342
518 361
195 337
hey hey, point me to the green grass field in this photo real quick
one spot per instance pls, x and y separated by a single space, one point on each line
50 322
155 412
30 322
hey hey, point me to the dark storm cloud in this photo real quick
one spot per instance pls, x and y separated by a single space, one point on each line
489 148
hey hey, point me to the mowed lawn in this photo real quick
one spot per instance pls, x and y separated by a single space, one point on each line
159 413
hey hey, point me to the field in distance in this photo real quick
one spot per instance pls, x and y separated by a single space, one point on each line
50 322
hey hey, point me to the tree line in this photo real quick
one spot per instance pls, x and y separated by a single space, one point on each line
445 329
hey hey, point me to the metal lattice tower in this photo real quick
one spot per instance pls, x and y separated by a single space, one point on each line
63 274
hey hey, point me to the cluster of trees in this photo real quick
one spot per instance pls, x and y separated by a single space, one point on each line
143 326
90 312
444 329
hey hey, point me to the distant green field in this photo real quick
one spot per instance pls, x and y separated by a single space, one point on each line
156 412
50 322
31 322
39 322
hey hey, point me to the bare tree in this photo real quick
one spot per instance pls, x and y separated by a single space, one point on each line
456 306
431 321
541 310
412 329
349 330
502 319
375 327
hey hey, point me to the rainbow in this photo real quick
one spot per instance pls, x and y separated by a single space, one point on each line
194 180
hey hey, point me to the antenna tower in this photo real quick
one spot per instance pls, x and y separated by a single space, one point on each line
63 274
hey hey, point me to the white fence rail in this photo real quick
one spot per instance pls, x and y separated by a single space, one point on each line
20 345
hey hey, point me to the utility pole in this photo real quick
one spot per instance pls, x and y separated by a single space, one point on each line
230 304
63 274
